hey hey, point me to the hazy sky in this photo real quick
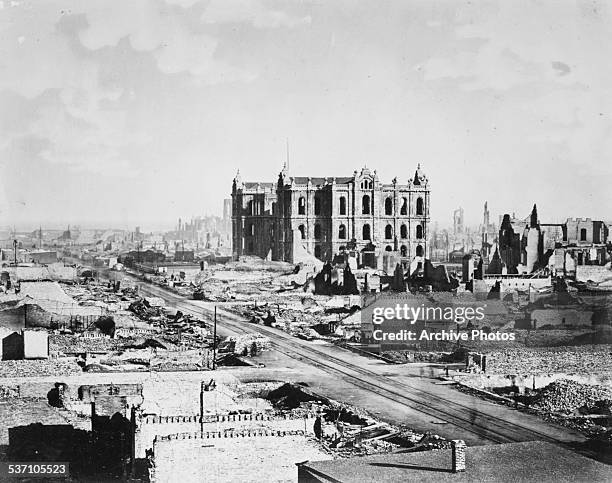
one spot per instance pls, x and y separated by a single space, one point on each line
138 112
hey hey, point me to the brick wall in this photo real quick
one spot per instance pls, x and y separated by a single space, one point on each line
151 427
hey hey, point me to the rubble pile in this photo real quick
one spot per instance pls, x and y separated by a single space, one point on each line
8 391
102 295
276 294
305 316
291 396
143 309
432 441
566 396
569 360
346 430
72 344
111 300
250 344
33 368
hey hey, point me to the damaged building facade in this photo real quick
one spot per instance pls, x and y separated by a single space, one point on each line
525 246
321 217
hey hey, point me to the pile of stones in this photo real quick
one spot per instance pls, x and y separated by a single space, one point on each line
568 397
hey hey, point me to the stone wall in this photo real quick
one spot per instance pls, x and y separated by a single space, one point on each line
484 381
596 273
151 427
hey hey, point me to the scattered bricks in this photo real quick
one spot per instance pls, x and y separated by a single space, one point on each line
9 391
35 368
547 360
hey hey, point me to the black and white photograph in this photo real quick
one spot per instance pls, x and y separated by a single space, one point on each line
306 241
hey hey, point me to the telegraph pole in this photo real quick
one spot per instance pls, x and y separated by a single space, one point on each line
215 340
202 406
15 250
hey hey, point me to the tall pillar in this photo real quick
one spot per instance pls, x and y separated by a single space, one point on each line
458 448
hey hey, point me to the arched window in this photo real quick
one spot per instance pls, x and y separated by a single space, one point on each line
388 206
583 234
317 231
342 205
404 251
403 231
317 251
301 206
388 248
317 205
419 251
365 205
274 208
366 232
404 208
342 232
388 232
419 232
250 207
419 206
302 229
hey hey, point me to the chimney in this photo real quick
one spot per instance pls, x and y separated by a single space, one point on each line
458 447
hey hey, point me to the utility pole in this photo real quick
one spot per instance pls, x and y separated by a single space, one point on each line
215 340
202 406
15 250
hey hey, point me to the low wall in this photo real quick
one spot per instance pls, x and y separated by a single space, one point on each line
483 381
250 433
596 273
151 428
508 284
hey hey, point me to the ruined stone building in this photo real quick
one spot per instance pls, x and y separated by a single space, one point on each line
525 246
463 237
439 244
297 217
488 234
458 223
521 245
585 231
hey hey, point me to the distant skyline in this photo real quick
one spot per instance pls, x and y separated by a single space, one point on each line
140 111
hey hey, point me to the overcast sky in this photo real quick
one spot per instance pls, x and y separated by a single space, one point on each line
138 112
